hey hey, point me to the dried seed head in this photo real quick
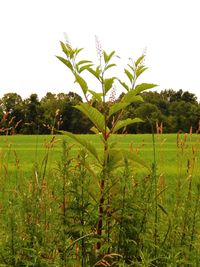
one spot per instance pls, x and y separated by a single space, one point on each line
159 128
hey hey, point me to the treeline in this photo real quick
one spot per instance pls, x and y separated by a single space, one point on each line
173 110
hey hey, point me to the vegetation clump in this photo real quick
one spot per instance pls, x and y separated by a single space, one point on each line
106 206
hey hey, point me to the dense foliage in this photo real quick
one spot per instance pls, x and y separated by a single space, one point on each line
175 110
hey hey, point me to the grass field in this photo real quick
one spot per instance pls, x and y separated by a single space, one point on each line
30 149
174 154
50 195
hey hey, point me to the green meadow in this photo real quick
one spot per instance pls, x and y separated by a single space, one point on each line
172 151
176 155
49 194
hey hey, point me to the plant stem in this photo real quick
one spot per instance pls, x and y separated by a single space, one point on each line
194 216
155 192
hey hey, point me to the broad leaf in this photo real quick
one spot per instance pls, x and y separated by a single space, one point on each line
111 55
94 115
139 60
124 123
96 73
129 75
131 97
107 57
86 144
117 107
108 84
96 96
140 70
124 85
66 62
83 62
81 82
85 67
110 66
77 51
143 86
94 130
131 67
65 48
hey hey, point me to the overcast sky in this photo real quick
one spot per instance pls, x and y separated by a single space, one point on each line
31 30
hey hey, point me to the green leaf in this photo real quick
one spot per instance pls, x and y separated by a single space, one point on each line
94 130
77 51
108 84
131 67
66 62
94 115
85 67
86 144
98 70
131 97
71 51
65 48
140 70
135 158
107 57
111 55
143 86
96 73
117 107
110 66
81 82
129 75
96 96
124 85
124 123
139 60
83 62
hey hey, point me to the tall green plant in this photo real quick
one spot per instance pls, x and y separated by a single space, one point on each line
106 116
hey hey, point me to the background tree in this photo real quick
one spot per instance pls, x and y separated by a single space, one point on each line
185 115
177 110
12 112
52 109
34 116
74 120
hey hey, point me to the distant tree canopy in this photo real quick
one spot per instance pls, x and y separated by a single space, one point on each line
176 110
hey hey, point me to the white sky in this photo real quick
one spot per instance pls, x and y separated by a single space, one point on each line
31 30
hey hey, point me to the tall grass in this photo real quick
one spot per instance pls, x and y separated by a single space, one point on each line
49 216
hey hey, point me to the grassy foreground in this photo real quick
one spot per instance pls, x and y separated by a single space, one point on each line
49 193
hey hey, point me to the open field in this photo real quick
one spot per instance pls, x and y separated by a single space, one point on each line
174 154
50 202
31 149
